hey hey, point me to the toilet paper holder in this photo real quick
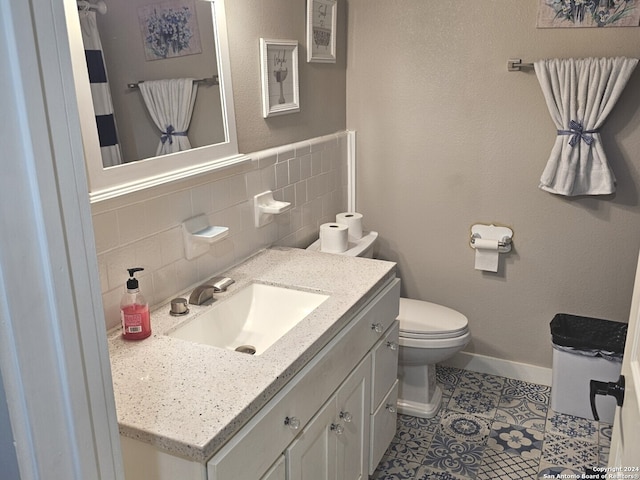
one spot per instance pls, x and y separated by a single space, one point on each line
491 232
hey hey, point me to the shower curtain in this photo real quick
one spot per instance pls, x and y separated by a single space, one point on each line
102 103
170 104
580 94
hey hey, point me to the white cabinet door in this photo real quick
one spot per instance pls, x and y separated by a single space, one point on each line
277 471
312 456
353 399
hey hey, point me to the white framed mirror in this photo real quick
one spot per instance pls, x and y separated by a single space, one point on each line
212 131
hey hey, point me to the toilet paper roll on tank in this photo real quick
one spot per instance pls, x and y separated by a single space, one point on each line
334 236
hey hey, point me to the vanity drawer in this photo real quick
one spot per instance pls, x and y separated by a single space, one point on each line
383 427
385 365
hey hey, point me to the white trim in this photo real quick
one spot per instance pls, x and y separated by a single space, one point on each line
498 366
53 350
351 171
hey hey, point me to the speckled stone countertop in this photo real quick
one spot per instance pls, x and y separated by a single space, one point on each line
189 399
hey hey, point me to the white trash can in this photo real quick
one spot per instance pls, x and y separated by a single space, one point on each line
585 349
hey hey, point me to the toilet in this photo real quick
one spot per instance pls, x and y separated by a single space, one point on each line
429 334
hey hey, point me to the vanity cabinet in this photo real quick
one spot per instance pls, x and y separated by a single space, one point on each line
330 421
334 444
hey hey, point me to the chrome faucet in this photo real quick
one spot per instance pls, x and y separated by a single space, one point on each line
204 293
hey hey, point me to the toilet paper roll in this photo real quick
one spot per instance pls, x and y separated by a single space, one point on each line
354 221
486 255
334 237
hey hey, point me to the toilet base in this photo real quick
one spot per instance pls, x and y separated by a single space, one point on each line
422 410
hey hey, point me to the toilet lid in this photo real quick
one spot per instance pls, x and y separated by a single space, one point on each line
420 319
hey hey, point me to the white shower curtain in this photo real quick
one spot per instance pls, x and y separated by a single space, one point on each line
100 93
170 104
580 94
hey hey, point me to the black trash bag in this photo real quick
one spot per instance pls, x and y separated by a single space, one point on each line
586 333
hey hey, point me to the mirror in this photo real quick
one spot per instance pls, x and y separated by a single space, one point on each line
133 56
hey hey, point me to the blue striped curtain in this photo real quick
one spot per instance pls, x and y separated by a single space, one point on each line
102 103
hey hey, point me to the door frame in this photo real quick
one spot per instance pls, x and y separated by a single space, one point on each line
54 358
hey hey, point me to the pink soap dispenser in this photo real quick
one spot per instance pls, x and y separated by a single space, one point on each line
134 310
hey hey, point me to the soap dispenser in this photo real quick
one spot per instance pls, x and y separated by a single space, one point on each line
134 310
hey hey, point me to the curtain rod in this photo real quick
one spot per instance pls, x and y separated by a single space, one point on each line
99 6
516 65
207 81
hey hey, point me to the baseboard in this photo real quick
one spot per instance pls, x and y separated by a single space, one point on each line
504 368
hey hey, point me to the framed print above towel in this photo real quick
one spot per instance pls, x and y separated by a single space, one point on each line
321 31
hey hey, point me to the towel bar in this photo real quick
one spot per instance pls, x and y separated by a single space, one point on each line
516 65
207 81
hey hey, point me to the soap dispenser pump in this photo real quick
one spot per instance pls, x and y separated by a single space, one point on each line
134 310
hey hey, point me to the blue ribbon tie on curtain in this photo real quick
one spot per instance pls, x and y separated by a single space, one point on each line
577 132
168 135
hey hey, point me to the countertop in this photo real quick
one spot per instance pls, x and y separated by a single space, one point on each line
189 399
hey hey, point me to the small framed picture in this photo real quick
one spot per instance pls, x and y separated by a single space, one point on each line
321 31
279 72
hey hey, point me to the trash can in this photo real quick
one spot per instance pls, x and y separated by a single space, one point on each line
585 348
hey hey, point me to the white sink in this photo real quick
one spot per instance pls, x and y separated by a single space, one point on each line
254 317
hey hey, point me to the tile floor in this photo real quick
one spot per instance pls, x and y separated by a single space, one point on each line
492 427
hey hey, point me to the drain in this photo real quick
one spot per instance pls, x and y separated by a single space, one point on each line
250 349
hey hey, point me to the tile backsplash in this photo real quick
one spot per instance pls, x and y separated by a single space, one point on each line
144 229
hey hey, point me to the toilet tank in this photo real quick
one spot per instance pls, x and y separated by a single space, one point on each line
357 248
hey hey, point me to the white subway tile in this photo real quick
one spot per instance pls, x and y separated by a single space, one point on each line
220 195
282 174
105 227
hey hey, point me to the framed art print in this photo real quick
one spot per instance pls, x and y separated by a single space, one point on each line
169 29
279 72
321 31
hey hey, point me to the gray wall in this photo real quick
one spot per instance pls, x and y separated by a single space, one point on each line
448 138
322 86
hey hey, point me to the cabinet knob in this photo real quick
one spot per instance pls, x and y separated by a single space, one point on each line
337 428
346 416
292 422
391 408
377 327
392 346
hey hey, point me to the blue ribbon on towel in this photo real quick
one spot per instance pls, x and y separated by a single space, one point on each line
577 132
168 135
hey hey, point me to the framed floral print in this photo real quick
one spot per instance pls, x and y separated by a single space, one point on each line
279 73
169 29
321 31
588 13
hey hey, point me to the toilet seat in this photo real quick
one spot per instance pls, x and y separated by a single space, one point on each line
426 320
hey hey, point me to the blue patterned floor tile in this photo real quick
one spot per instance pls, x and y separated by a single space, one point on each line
481 381
428 473
604 434
465 427
569 452
603 455
475 402
395 469
502 465
451 455
448 375
407 446
530 391
418 426
521 411
515 440
572 426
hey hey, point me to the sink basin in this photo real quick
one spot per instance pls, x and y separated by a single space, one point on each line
252 319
